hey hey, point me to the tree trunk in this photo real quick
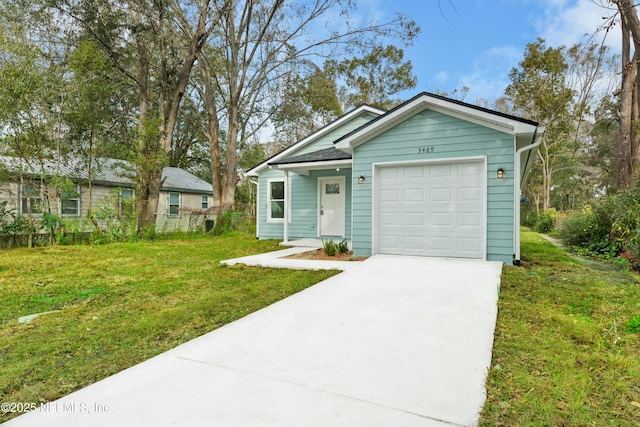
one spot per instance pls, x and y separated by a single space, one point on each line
147 177
623 169
168 117
212 131
546 176
629 110
230 178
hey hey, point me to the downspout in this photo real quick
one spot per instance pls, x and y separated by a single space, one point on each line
286 207
536 140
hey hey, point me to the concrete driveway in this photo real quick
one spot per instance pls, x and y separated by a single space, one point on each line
395 341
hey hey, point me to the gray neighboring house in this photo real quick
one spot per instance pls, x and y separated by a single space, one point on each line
431 177
184 198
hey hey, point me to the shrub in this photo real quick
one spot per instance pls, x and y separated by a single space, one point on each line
607 227
330 247
528 216
589 227
227 222
546 221
111 223
343 247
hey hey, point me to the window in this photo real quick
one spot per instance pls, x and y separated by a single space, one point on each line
205 202
70 202
30 198
174 204
125 202
332 189
275 209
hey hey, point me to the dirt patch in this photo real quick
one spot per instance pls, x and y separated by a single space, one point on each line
319 254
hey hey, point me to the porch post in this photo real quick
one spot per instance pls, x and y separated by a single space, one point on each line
286 207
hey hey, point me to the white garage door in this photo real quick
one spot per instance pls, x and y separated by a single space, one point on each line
432 210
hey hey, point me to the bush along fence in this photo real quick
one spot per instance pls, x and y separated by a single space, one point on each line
108 225
607 228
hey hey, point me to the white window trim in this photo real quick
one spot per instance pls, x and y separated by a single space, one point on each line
169 214
287 200
202 199
78 198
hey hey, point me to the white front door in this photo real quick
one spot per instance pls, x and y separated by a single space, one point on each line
331 206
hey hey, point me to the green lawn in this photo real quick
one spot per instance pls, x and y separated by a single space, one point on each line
565 353
562 355
121 304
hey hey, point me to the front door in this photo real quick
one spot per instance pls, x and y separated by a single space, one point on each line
332 208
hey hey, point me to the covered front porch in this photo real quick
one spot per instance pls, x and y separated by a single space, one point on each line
317 197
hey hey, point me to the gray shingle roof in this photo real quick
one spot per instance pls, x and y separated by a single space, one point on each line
176 178
110 172
327 154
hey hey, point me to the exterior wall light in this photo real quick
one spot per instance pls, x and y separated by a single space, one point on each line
500 173
362 179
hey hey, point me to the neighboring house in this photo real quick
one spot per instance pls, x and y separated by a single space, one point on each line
431 177
184 198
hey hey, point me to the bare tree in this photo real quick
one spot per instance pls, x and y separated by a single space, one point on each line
258 43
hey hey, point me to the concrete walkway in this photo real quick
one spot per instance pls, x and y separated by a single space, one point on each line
394 341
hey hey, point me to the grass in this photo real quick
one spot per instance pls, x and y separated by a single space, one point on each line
121 304
565 350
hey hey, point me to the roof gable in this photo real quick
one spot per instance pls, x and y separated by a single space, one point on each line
493 119
306 145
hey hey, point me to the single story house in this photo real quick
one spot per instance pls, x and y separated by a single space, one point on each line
182 194
432 177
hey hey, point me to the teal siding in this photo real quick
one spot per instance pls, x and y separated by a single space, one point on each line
304 197
450 138
304 204
327 140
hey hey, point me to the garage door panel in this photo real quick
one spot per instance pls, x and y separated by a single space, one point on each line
470 169
431 210
440 219
469 246
440 243
388 220
388 173
469 194
413 195
469 220
414 243
440 194
389 196
414 172
413 218
439 171
390 242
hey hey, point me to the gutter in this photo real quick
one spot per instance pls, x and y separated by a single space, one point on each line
536 140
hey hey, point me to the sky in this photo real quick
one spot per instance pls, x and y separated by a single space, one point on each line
476 43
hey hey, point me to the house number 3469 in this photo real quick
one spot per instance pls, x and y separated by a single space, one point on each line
426 150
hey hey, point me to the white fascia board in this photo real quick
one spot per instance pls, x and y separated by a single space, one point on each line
304 168
483 118
313 137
